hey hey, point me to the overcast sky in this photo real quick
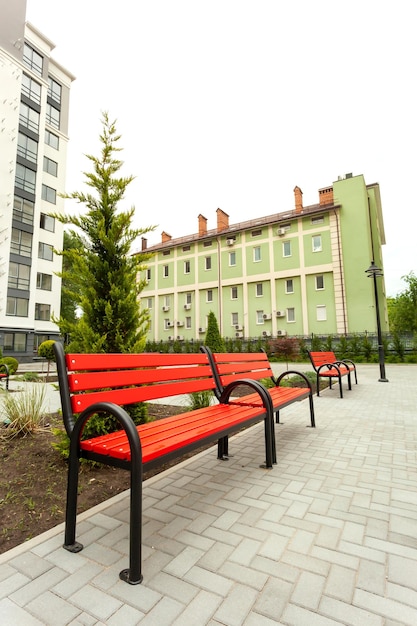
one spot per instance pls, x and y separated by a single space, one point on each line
232 103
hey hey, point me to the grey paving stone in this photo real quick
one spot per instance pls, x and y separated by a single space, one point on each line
11 614
236 606
53 610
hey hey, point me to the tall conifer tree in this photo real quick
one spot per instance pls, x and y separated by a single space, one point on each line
104 275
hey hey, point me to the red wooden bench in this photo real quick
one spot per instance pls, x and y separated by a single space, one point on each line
4 374
255 366
327 365
104 383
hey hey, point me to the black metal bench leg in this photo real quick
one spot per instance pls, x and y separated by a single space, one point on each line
71 511
133 575
349 382
340 387
312 420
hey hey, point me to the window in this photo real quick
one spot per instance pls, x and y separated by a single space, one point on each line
289 286
45 251
235 319
188 322
187 267
15 342
166 252
37 340
29 118
319 282
51 140
148 273
19 276
44 281
47 222
27 148
256 233
257 254
286 248
260 317
53 116
186 248
54 90
49 194
316 243
32 59
42 312
50 166
167 301
23 210
233 293
165 271
188 298
21 242
319 219
31 89
209 295
17 306
232 259
150 303
207 244
259 290
291 314
25 178
321 312
208 262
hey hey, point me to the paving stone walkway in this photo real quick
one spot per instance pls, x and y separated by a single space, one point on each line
328 536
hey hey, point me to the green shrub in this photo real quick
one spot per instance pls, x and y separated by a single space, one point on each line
24 411
200 400
11 363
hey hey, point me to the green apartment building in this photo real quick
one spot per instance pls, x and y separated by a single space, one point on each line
292 273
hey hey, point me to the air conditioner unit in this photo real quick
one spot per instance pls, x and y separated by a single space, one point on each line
266 333
230 242
280 313
281 231
201 330
171 338
187 307
267 316
165 308
180 337
169 324
237 327
180 323
281 333
238 334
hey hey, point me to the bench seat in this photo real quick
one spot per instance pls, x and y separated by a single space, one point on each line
91 384
327 365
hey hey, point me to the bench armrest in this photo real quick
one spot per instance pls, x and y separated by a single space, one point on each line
329 366
121 416
284 374
6 369
255 385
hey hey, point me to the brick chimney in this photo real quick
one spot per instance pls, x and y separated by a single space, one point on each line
144 243
222 220
165 237
202 225
298 196
326 196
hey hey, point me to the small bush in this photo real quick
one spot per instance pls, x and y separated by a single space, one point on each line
11 363
24 411
29 377
200 400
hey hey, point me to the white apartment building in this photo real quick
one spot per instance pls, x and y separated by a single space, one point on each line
34 110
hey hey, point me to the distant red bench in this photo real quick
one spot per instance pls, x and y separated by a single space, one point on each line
327 365
4 374
255 366
104 383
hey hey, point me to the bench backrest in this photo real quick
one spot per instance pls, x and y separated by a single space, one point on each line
231 366
85 379
320 358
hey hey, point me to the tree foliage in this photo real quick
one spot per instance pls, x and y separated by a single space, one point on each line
213 338
102 274
402 310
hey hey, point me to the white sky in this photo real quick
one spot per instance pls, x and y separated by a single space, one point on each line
232 103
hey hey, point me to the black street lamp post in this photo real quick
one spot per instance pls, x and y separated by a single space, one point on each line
374 271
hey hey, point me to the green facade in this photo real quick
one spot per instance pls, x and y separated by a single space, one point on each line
295 273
